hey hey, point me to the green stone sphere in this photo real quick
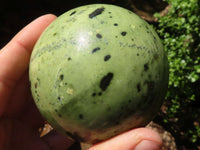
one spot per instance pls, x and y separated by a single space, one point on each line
97 71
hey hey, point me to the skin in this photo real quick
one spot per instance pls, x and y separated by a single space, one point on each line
19 117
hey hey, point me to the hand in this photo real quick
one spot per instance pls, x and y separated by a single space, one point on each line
19 117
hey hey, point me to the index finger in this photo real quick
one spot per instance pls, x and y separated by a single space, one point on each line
15 56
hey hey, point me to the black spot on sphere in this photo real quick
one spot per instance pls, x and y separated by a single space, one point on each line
147 27
61 77
99 36
150 96
115 24
123 33
138 87
38 99
73 13
93 94
146 67
35 84
100 93
69 58
80 116
95 49
96 12
105 81
107 57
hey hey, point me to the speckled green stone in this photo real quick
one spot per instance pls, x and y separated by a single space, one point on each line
98 70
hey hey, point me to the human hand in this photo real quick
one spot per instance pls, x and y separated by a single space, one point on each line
19 117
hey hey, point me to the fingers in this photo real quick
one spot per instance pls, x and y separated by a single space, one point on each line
14 57
136 139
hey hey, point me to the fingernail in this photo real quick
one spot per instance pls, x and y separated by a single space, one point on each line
147 145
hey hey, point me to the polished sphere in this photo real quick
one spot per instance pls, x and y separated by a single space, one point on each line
97 71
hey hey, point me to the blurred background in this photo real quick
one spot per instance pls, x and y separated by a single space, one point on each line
177 22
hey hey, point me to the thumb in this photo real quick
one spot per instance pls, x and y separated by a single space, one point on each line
136 139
